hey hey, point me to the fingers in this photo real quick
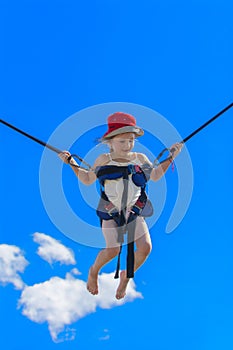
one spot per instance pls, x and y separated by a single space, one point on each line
64 156
176 148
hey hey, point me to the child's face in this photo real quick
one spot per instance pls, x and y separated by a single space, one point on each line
123 144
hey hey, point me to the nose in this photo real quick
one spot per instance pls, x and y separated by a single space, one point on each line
127 146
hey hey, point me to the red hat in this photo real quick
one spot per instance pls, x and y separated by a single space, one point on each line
120 123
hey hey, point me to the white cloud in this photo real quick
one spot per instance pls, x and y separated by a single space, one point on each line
61 302
52 250
106 336
75 271
12 262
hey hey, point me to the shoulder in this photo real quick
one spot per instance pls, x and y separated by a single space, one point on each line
103 159
143 158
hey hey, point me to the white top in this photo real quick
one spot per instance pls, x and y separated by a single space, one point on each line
114 188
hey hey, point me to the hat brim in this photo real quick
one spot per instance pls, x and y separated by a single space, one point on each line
135 129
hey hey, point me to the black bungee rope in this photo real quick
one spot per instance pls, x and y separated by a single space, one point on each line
47 145
170 151
89 167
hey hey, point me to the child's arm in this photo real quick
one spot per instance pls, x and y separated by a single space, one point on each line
158 172
85 176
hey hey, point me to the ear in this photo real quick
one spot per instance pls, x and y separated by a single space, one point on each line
109 143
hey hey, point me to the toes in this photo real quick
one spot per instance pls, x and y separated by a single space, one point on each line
120 296
121 290
93 291
92 285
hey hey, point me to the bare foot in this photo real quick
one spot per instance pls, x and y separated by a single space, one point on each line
92 285
121 290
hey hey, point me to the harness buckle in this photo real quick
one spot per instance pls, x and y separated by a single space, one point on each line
137 207
137 169
110 208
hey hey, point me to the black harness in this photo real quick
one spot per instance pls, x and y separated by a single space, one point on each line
107 211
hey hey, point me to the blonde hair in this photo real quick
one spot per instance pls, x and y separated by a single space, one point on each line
107 141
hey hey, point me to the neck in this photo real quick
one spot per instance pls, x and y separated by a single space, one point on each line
122 158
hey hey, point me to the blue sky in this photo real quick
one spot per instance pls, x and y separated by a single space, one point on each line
60 58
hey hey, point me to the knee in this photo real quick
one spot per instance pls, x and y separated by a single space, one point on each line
113 251
145 249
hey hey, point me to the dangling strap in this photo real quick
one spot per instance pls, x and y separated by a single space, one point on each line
118 263
131 225
122 219
121 230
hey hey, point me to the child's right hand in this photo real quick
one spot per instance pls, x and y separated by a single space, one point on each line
64 156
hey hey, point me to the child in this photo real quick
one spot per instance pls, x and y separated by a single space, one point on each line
112 169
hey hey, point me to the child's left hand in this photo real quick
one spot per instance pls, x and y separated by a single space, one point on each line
176 148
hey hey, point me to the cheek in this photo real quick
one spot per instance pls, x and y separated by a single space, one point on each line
114 146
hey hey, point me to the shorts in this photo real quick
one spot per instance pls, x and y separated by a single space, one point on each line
109 229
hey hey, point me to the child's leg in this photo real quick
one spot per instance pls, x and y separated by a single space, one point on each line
104 256
144 246
102 259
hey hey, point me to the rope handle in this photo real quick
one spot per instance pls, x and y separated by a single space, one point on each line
170 156
81 160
